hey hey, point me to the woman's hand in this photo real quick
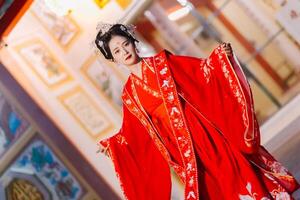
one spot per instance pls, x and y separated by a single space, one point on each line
227 48
102 149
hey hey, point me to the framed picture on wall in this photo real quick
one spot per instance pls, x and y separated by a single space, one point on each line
12 124
43 63
63 29
106 78
38 173
86 112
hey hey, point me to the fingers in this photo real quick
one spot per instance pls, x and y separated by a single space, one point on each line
102 149
226 45
106 152
227 48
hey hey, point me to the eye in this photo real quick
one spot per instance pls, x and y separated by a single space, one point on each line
127 43
117 51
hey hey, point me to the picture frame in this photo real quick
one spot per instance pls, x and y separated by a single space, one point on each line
43 62
37 171
64 30
86 112
13 124
106 78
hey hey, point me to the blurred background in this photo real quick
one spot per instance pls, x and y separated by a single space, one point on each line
59 97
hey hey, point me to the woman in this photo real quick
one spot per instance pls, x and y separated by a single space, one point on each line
194 115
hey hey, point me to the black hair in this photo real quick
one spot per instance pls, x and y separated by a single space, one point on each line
102 39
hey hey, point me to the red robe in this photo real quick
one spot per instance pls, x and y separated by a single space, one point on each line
196 116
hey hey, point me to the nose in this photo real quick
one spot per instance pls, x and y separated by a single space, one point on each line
125 52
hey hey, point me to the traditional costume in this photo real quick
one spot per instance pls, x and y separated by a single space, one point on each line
196 116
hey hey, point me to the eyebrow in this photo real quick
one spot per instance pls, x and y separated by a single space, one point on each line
122 43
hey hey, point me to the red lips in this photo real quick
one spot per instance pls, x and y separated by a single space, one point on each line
129 56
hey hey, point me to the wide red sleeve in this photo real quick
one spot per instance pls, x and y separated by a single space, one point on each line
217 87
142 171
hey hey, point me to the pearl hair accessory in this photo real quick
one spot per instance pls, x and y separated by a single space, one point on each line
100 43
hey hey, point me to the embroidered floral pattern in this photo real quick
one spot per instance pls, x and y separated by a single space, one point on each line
147 62
146 87
188 172
275 171
143 83
280 195
206 68
275 166
277 194
251 195
178 125
121 139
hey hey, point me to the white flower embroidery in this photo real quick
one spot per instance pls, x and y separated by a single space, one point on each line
171 96
174 110
159 60
283 196
248 197
206 73
208 63
121 139
128 101
189 167
183 174
251 196
163 71
187 153
226 72
191 181
191 194
143 121
178 123
165 83
278 168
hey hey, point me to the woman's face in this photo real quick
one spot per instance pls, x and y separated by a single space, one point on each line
123 50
